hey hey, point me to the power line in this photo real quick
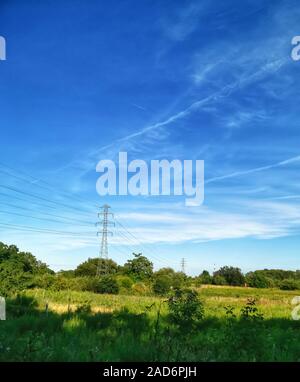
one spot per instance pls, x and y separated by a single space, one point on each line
36 181
154 256
38 218
40 197
47 213
37 203
48 230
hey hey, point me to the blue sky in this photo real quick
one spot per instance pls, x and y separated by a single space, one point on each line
207 80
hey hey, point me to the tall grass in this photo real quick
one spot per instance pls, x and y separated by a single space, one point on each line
82 326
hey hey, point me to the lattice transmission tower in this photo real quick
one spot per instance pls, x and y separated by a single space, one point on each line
104 232
183 264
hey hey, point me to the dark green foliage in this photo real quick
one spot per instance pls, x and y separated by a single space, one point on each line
84 308
167 279
67 274
289 284
124 282
219 280
17 269
89 267
229 310
162 284
139 268
107 284
250 311
21 270
276 276
257 280
186 309
232 275
204 278
29 334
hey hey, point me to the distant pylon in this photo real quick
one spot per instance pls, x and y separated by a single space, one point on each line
104 233
183 263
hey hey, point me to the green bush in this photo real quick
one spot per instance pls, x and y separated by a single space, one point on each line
92 266
141 289
204 278
232 275
219 280
124 282
162 284
185 308
257 280
289 284
107 284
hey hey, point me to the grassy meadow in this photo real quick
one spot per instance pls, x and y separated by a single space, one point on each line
46 325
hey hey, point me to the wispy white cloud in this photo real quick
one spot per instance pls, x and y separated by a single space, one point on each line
254 170
257 219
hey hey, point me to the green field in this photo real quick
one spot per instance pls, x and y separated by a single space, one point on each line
82 326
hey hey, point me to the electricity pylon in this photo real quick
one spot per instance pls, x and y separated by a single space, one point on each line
104 233
183 263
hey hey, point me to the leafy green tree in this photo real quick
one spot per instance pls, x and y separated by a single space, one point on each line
124 282
166 279
204 278
13 279
89 267
18 269
289 284
107 284
139 268
257 280
68 273
232 275
219 280
162 284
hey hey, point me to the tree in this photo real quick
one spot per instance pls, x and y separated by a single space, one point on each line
18 269
107 284
289 284
232 275
139 268
219 280
162 284
89 267
25 261
257 280
166 279
69 274
204 278
124 282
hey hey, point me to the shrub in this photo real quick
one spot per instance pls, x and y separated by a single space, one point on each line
107 284
289 284
219 280
141 289
91 266
257 280
204 278
186 309
162 284
232 275
45 281
124 282
250 311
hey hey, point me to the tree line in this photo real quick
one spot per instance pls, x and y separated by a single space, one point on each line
21 270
